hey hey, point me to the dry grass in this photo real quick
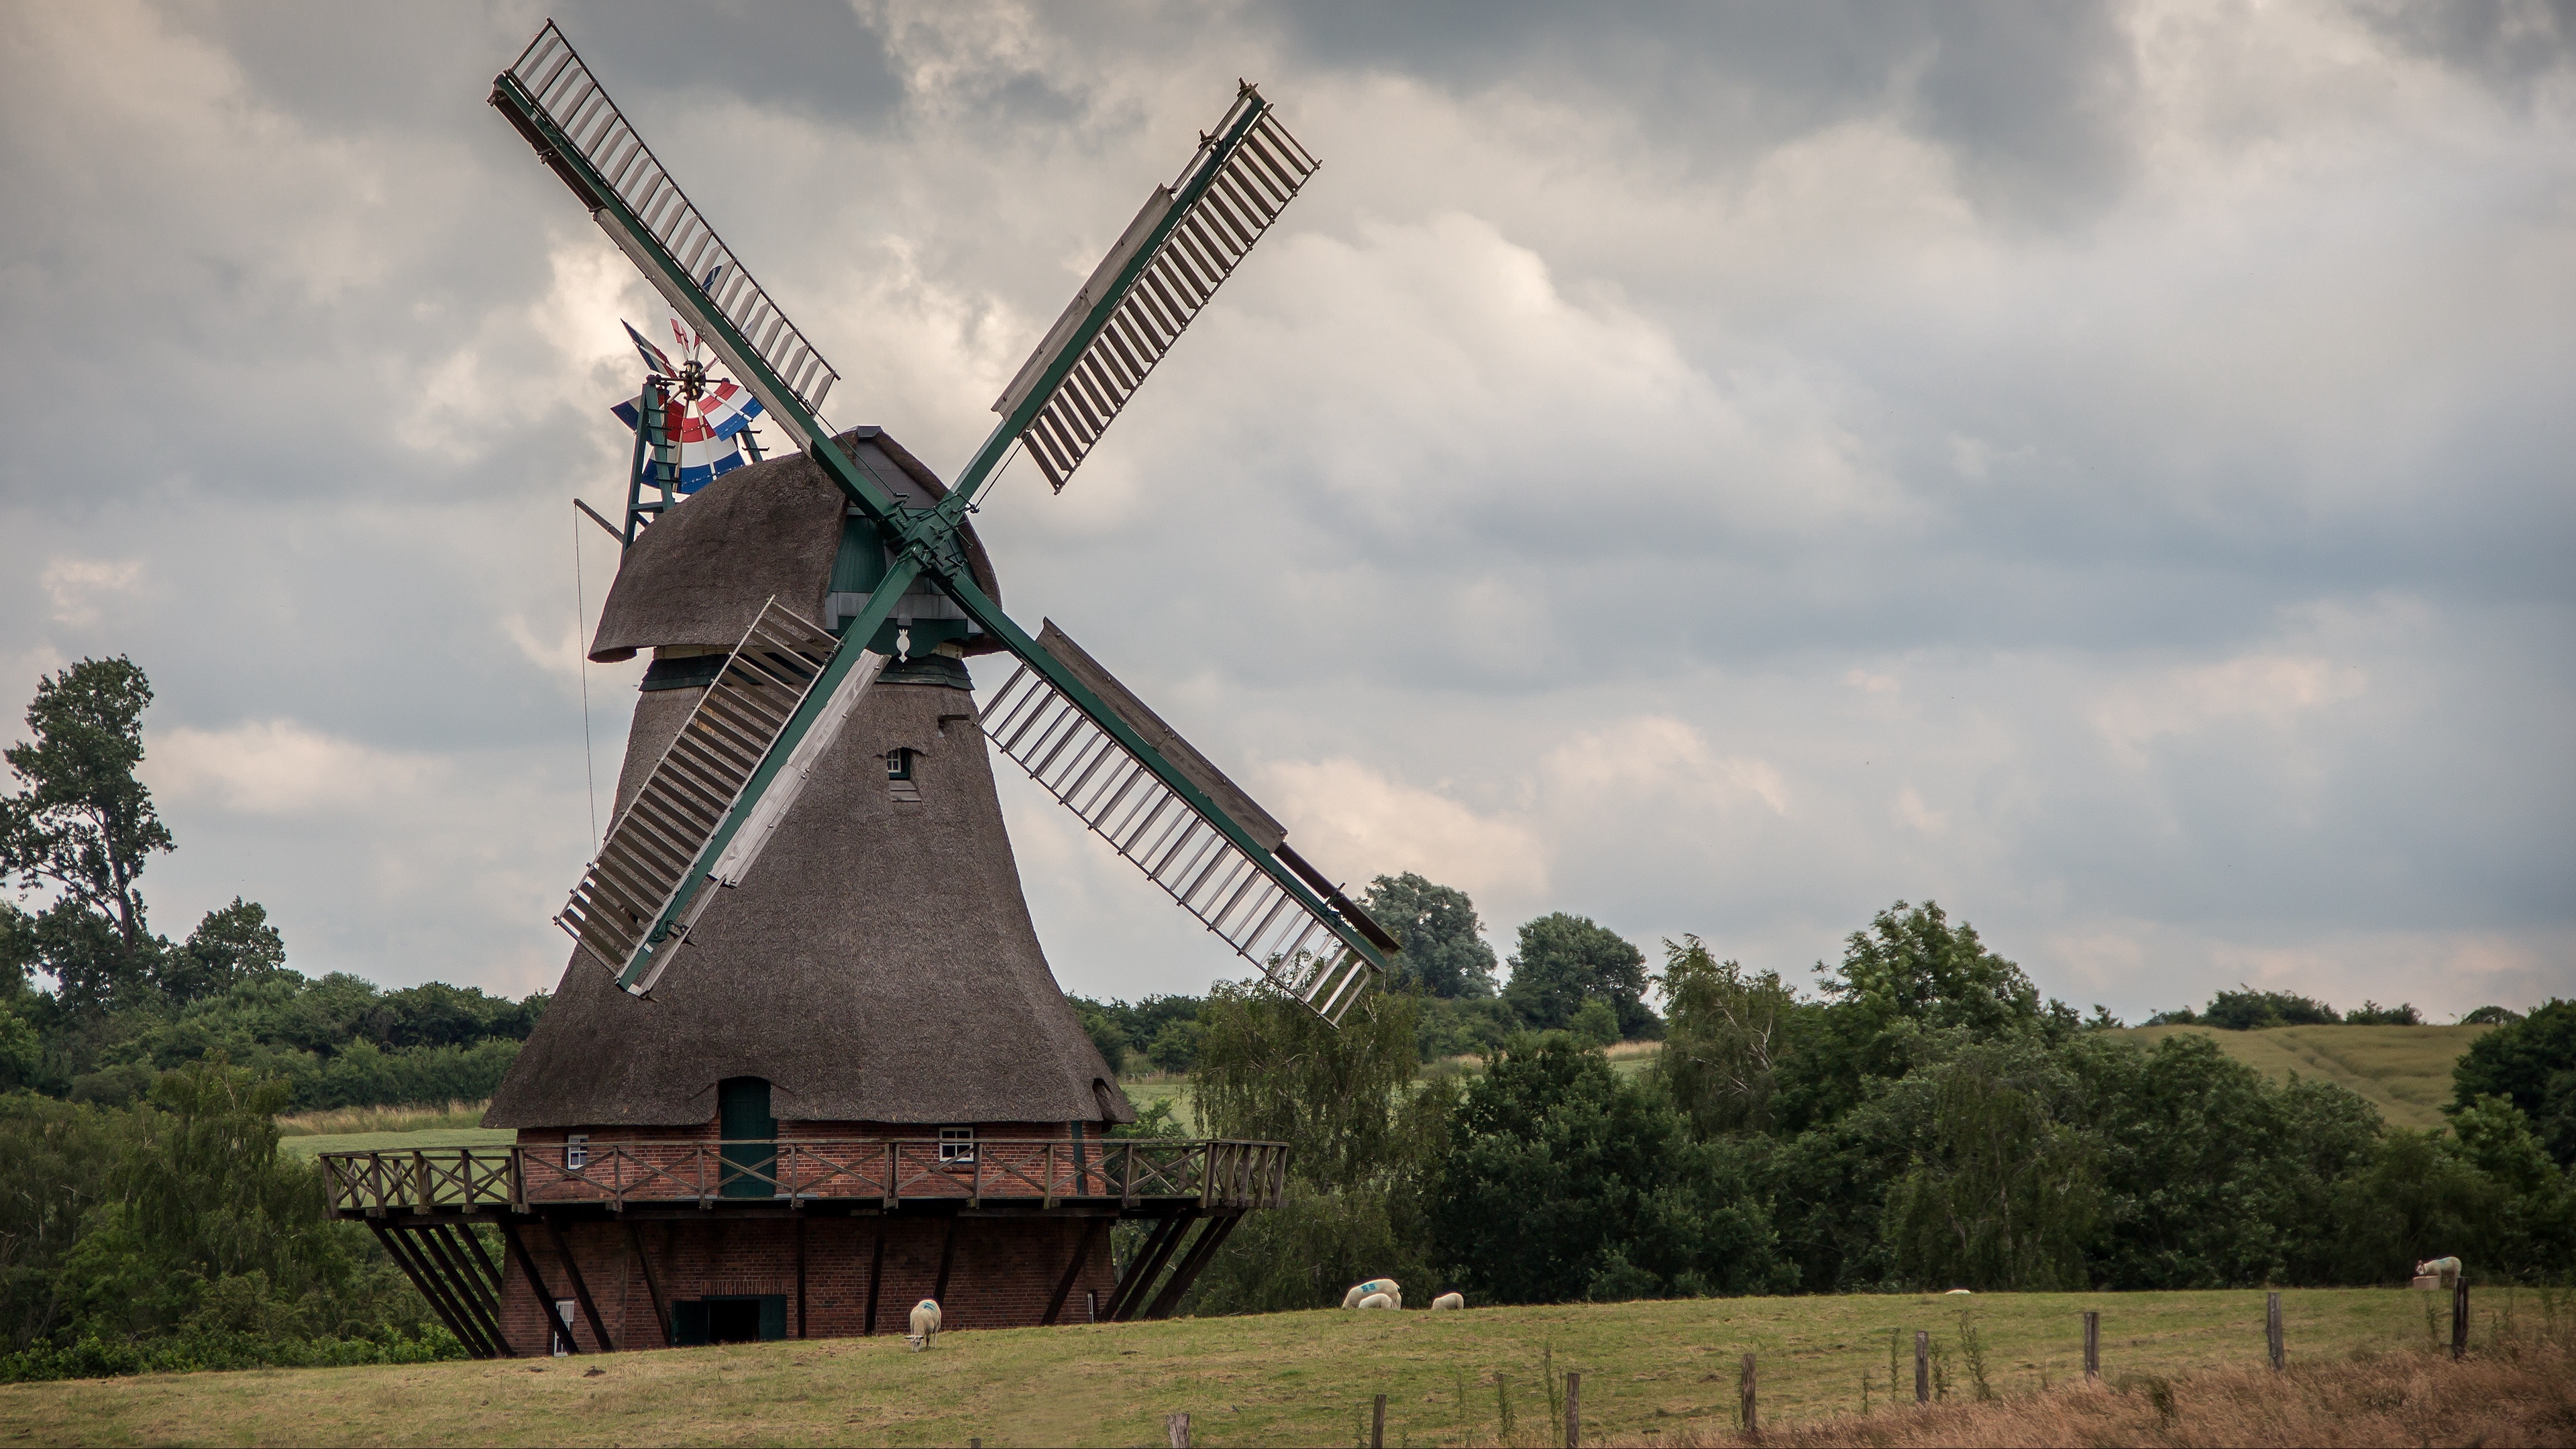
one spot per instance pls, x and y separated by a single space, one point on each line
2407 1398
348 1121
2405 1071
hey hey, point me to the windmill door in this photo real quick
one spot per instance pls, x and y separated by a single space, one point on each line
750 1134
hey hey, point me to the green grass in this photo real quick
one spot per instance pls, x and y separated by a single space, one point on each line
1289 1378
2405 1071
308 1147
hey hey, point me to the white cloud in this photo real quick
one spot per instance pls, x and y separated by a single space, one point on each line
2272 689
1344 811
78 586
278 767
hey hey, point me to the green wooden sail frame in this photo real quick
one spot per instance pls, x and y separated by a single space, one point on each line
1200 840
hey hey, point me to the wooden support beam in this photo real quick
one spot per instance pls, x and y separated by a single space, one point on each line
947 1255
1072 1271
876 1275
652 1289
1150 1266
1125 1287
435 1250
446 1289
556 1330
580 1289
429 1291
1210 1238
453 1234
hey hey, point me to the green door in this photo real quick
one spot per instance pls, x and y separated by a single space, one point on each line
750 1136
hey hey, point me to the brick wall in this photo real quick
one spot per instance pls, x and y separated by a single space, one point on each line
1001 1274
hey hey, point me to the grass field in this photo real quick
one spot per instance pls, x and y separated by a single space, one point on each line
1290 1378
309 1147
2405 1071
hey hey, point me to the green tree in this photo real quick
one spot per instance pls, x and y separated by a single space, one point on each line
1563 1182
1725 1033
230 946
2531 1063
2004 1194
1445 953
83 827
1565 960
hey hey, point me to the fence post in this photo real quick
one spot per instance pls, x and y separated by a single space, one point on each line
2092 1346
1922 1367
1752 1425
1573 1410
1377 1424
2272 1328
1177 1428
2460 1315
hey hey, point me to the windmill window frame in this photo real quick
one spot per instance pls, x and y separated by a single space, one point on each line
956 1146
576 1151
900 780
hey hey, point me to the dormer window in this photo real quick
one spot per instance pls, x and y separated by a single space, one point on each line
899 779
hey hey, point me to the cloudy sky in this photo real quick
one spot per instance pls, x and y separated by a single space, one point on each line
1712 470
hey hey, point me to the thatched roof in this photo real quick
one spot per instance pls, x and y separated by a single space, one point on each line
696 578
878 965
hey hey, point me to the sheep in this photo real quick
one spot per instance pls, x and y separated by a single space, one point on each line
1387 1286
1447 1301
1377 1300
925 1325
2444 1271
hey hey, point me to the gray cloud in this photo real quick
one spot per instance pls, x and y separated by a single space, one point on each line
1718 470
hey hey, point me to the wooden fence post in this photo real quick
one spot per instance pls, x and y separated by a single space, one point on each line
1573 1410
2092 1346
1177 1428
1922 1367
1377 1424
2272 1328
2460 1315
1752 1425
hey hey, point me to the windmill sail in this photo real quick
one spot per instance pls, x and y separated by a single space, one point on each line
562 111
653 848
1181 246
1323 958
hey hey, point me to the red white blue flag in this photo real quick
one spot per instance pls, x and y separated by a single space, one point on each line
708 427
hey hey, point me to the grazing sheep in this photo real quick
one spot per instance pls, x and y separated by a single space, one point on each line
1377 1300
2447 1270
1387 1286
925 1325
1448 1300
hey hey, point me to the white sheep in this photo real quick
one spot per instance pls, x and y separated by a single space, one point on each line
1387 1286
1377 1300
925 1325
2445 1271
1448 1300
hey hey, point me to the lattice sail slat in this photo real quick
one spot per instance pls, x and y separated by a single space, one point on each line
1243 175
553 81
1309 955
655 842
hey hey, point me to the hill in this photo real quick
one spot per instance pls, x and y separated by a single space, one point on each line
2405 1071
1287 1378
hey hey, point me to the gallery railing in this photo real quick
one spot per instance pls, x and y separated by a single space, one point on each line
1130 1171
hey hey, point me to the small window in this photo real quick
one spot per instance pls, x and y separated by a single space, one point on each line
899 776
563 1315
957 1144
577 1150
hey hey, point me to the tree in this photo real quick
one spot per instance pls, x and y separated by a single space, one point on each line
2003 1194
83 826
1910 977
1563 1182
1565 960
1727 1031
2247 1009
2532 1064
1445 953
230 946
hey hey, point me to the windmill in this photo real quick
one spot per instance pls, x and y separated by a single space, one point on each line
807 1020
691 426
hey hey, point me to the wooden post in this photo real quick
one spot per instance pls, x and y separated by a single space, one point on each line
2092 1346
2460 1315
1922 1367
1177 1428
1377 1424
1752 1425
1573 1410
2272 1328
